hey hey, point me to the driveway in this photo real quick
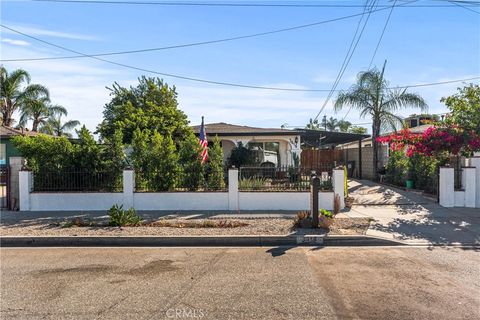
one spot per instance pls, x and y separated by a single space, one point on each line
412 217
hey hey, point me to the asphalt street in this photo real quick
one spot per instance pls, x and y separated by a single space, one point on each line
240 283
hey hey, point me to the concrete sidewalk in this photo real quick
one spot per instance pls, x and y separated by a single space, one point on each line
411 217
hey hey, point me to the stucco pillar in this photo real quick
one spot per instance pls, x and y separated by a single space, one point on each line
25 182
233 204
475 162
128 188
338 181
470 186
16 164
446 188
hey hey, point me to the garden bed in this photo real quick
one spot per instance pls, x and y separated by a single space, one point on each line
182 227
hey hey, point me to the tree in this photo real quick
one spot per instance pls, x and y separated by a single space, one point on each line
39 110
372 96
313 125
344 125
151 105
331 124
215 166
163 161
56 127
464 108
155 160
241 156
15 89
192 169
357 130
45 152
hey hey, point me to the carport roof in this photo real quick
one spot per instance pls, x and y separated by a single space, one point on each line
315 138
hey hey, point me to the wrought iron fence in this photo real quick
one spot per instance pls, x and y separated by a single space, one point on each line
77 181
280 179
158 181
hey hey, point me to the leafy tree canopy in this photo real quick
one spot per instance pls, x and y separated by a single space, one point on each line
464 108
151 105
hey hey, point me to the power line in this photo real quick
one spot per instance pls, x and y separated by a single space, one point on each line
212 81
376 48
348 56
464 7
227 4
198 43
381 36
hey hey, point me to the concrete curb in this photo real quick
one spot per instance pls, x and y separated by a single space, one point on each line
196 241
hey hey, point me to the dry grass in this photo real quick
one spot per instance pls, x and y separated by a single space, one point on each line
196 224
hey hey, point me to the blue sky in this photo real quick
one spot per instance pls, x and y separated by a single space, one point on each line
421 45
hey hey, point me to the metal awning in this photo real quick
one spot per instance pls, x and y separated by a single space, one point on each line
321 138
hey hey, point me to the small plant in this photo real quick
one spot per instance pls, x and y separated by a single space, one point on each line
78 222
326 213
325 219
120 217
326 185
252 184
302 220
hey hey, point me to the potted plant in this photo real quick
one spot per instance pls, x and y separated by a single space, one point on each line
303 219
409 181
325 219
349 201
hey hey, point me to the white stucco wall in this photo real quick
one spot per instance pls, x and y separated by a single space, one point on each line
231 200
282 200
181 201
73 201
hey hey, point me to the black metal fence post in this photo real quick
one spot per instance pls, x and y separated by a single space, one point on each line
314 188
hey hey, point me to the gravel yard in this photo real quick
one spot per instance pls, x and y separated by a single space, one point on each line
267 226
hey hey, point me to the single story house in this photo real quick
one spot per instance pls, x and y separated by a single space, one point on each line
271 145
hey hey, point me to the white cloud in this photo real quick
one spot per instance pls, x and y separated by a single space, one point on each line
39 31
15 42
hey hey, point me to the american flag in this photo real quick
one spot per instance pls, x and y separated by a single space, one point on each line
203 143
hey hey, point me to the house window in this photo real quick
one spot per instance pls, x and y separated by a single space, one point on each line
266 152
3 154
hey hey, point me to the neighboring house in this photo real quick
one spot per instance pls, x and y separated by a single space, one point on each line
7 149
271 145
10 164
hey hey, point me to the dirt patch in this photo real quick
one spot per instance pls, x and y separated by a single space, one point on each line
350 226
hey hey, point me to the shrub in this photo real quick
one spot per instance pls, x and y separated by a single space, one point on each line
120 217
252 184
326 213
215 179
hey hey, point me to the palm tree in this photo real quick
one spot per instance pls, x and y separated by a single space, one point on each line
39 110
344 125
13 93
56 127
372 97
313 125
331 124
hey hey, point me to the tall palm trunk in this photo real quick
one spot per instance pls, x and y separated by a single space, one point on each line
35 125
375 134
7 119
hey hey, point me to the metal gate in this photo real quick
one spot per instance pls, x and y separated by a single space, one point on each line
4 187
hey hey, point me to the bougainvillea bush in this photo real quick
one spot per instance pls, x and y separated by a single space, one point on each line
434 141
417 156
